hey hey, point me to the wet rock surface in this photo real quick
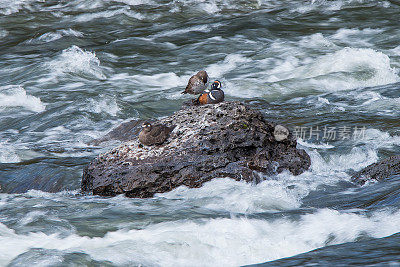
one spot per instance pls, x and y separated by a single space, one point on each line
229 139
378 171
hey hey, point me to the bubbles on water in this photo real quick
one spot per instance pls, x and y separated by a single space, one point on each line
16 96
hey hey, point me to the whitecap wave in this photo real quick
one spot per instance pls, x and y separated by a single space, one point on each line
77 61
215 242
16 96
367 66
344 69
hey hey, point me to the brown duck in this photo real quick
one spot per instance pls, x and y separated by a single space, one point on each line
154 134
197 83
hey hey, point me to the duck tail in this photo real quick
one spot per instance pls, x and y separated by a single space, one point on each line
196 102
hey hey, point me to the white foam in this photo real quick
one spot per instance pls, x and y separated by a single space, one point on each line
8 153
352 60
135 2
75 60
31 217
10 7
326 6
211 242
207 6
377 139
312 145
58 130
225 194
197 28
210 7
375 101
16 96
369 96
230 62
157 81
345 69
344 34
323 100
281 192
316 40
358 158
53 36
108 14
3 33
396 50
104 104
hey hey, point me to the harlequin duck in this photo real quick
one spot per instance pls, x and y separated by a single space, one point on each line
154 134
213 96
197 83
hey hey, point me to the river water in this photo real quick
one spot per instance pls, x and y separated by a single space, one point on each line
70 71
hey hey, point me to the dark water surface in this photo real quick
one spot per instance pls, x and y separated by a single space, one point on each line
70 71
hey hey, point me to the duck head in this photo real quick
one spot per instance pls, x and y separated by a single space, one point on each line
146 126
216 85
203 76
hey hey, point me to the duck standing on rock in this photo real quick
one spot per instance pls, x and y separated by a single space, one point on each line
197 83
213 96
154 134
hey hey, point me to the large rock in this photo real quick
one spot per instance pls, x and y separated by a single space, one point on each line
225 140
378 171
